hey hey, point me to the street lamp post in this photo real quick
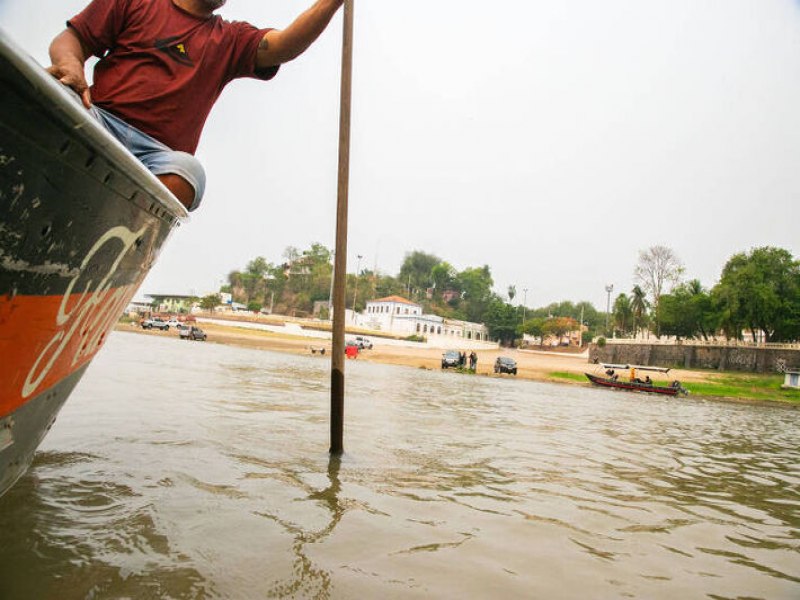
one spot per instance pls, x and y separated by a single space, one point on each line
609 289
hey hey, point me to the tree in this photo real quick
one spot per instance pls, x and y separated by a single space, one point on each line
291 254
416 269
443 276
318 254
688 312
386 285
258 266
559 326
760 290
657 267
623 313
210 302
534 327
476 290
638 306
501 320
236 286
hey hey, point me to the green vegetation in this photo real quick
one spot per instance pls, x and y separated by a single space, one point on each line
568 376
749 386
744 386
416 338
210 302
465 370
758 291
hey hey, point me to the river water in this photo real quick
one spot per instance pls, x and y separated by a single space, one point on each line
197 470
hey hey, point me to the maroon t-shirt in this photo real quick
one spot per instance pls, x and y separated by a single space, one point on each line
161 68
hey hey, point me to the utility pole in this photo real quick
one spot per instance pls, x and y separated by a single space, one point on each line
580 329
609 289
340 263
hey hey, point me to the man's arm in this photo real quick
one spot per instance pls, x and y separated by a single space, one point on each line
280 46
68 55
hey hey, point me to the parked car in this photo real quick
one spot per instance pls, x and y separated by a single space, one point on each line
155 322
173 322
363 342
504 364
360 341
451 358
192 333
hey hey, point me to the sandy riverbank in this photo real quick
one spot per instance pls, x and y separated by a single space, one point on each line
532 365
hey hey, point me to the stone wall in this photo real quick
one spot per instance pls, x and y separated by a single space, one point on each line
723 358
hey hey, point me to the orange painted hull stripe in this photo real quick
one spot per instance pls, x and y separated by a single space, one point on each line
44 339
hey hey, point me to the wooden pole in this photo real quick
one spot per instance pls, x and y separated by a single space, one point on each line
340 262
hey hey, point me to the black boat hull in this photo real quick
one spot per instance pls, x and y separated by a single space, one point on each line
81 223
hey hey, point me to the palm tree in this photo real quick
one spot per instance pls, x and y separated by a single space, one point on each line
695 287
638 306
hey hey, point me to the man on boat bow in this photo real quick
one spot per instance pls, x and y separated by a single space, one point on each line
163 64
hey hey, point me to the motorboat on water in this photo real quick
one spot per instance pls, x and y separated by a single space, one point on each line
81 223
630 380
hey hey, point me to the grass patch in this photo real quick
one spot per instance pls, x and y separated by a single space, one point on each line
749 386
568 376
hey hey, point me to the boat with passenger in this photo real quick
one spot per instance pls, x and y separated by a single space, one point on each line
81 223
632 382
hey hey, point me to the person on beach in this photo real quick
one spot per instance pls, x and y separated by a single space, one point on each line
163 64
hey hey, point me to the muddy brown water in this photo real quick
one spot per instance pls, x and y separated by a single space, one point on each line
198 470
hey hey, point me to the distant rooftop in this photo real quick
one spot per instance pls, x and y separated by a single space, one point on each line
396 299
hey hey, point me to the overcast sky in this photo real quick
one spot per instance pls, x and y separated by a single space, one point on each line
550 140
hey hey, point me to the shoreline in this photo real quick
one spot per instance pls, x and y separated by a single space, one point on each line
532 365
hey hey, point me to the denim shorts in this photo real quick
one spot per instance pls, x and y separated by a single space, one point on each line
158 158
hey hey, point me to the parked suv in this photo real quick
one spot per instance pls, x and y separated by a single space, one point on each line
192 333
504 364
156 323
451 358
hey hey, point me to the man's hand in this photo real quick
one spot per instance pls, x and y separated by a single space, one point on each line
68 56
71 74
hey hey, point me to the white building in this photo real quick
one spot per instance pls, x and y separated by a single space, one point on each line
400 316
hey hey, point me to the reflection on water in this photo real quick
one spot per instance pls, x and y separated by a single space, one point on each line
201 471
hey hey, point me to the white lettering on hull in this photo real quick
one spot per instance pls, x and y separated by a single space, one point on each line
93 313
